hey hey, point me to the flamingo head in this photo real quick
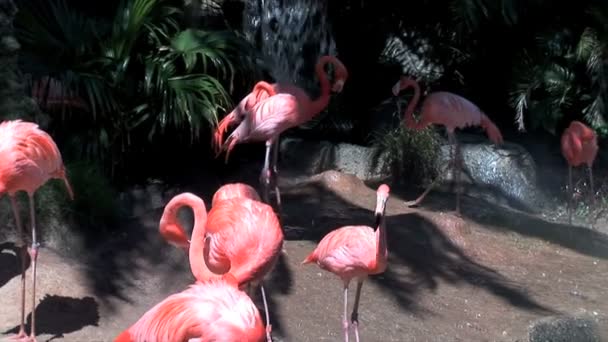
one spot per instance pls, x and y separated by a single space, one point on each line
338 85
403 83
341 75
382 195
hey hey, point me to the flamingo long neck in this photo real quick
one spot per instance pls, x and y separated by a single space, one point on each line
409 112
261 90
381 245
195 254
322 101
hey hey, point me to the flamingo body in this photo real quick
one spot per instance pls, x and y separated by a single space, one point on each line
349 252
579 144
263 90
243 237
205 312
28 158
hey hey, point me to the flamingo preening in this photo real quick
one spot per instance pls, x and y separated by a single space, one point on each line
239 237
215 310
280 121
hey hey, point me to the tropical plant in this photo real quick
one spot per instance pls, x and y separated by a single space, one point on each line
562 78
141 74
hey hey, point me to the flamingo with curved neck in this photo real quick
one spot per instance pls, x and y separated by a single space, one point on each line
451 111
308 109
172 231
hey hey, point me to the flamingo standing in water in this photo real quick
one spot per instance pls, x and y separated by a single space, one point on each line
175 234
240 237
308 108
355 252
28 159
452 111
579 146
205 312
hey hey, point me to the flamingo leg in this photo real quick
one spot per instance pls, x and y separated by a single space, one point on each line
275 172
456 169
431 186
34 256
591 184
354 317
345 319
570 192
265 176
22 256
268 326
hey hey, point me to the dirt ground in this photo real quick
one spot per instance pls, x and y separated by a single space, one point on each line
484 277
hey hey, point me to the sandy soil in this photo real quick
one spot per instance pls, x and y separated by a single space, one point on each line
484 277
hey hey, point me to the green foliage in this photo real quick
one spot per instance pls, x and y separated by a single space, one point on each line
561 77
141 74
412 153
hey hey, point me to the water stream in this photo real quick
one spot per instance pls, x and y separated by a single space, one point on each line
290 36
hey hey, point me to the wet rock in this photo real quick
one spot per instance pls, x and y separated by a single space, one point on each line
311 157
505 174
564 329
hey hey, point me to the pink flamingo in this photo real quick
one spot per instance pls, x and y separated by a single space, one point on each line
240 237
265 122
355 252
579 146
174 233
28 159
235 190
308 109
205 312
243 237
451 111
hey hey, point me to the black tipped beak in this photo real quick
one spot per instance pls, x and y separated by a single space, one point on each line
378 219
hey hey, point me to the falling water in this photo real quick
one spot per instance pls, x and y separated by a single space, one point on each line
290 36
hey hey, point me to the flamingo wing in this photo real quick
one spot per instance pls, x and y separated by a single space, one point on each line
213 311
347 250
248 234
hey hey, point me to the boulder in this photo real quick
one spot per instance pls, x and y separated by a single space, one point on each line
503 174
313 157
564 329
507 171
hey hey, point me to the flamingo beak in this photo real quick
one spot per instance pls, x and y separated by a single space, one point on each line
380 208
397 88
338 86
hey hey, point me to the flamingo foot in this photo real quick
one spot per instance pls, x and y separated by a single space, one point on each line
269 332
20 336
345 328
355 323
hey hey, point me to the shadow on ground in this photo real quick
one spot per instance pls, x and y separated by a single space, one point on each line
415 243
10 263
490 215
57 315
